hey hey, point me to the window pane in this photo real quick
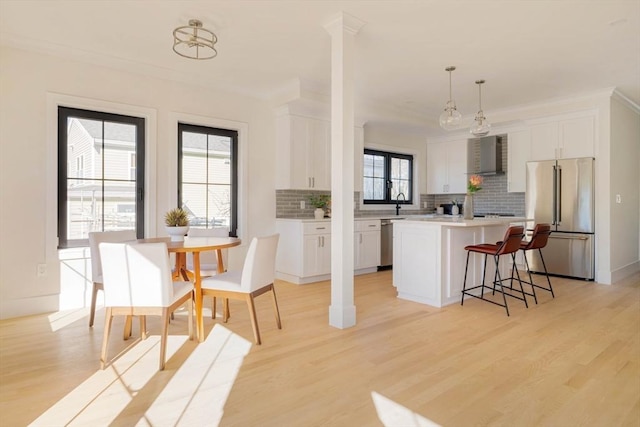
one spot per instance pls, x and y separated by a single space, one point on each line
84 208
119 205
194 201
219 199
399 168
379 188
119 143
84 148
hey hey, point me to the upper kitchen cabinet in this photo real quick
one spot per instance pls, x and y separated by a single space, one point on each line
447 167
565 137
304 153
518 155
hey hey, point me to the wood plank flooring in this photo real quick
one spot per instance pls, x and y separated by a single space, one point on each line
569 361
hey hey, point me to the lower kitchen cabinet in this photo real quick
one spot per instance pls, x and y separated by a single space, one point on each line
367 244
304 250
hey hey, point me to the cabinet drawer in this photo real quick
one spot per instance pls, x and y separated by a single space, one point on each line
367 225
316 228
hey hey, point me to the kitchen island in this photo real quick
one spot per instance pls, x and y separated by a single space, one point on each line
429 257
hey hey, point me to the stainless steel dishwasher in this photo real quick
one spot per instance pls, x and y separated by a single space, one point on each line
386 244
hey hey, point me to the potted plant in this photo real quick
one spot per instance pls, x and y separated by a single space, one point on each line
177 224
320 202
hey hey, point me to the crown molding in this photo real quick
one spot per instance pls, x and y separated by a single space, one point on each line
619 96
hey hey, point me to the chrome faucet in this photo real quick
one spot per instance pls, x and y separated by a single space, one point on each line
398 202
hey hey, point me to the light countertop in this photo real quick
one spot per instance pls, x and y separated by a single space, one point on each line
458 221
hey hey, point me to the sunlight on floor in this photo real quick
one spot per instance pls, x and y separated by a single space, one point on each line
194 396
393 414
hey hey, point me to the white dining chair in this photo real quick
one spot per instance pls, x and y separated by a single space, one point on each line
137 281
255 278
95 238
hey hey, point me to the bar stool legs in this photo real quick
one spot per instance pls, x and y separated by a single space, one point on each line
509 245
497 281
541 233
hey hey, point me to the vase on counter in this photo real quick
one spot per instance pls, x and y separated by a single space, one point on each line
318 213
467 207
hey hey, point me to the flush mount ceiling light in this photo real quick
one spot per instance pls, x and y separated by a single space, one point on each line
450 117
480 126
194 42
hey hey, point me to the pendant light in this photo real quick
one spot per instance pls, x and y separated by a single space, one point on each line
480 126
450 117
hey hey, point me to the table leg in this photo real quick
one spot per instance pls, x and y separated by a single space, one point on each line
225 302
197 291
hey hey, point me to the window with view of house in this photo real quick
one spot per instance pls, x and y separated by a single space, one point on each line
100 174
387 177
207 176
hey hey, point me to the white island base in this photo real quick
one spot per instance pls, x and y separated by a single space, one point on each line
429 256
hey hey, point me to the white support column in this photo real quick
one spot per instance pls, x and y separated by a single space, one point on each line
342 312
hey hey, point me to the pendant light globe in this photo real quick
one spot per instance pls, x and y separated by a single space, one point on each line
480 126
450 118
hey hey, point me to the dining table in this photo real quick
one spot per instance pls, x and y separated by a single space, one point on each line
195 246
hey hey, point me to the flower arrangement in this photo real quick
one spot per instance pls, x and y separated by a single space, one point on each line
320 200
176 218
474 184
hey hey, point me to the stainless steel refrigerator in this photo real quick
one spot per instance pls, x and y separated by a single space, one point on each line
561 193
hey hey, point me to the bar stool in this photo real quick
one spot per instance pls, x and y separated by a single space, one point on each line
538 241
509 245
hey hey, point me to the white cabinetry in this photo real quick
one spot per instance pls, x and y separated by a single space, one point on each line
316 259
447 167
519 146
304 250
563 138
367 244
304 153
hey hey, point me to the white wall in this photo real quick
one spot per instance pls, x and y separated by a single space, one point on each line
28 83
625 181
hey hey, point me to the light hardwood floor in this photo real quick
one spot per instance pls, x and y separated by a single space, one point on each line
569 361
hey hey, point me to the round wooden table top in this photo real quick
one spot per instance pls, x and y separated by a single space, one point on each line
195 244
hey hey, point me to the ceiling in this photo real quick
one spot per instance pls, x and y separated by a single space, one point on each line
527 51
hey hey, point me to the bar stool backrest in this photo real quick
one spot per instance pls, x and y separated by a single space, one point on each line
540 237
511 241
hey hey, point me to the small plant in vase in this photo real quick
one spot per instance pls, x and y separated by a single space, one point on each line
320 202
177 224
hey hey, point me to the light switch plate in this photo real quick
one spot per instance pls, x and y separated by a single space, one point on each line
302 204
618 198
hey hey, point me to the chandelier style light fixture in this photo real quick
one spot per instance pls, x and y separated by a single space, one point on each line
480 126
194 41
450 117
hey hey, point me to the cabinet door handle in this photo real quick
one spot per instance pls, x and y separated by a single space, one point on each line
323 241
320 228
309 181
313 180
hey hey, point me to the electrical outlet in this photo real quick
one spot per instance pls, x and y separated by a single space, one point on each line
42 270
618 198
302 204
424 205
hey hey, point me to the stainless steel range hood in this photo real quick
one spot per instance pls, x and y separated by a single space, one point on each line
490 156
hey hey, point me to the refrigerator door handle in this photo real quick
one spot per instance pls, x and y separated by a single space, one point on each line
555 196
557 236
559 196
